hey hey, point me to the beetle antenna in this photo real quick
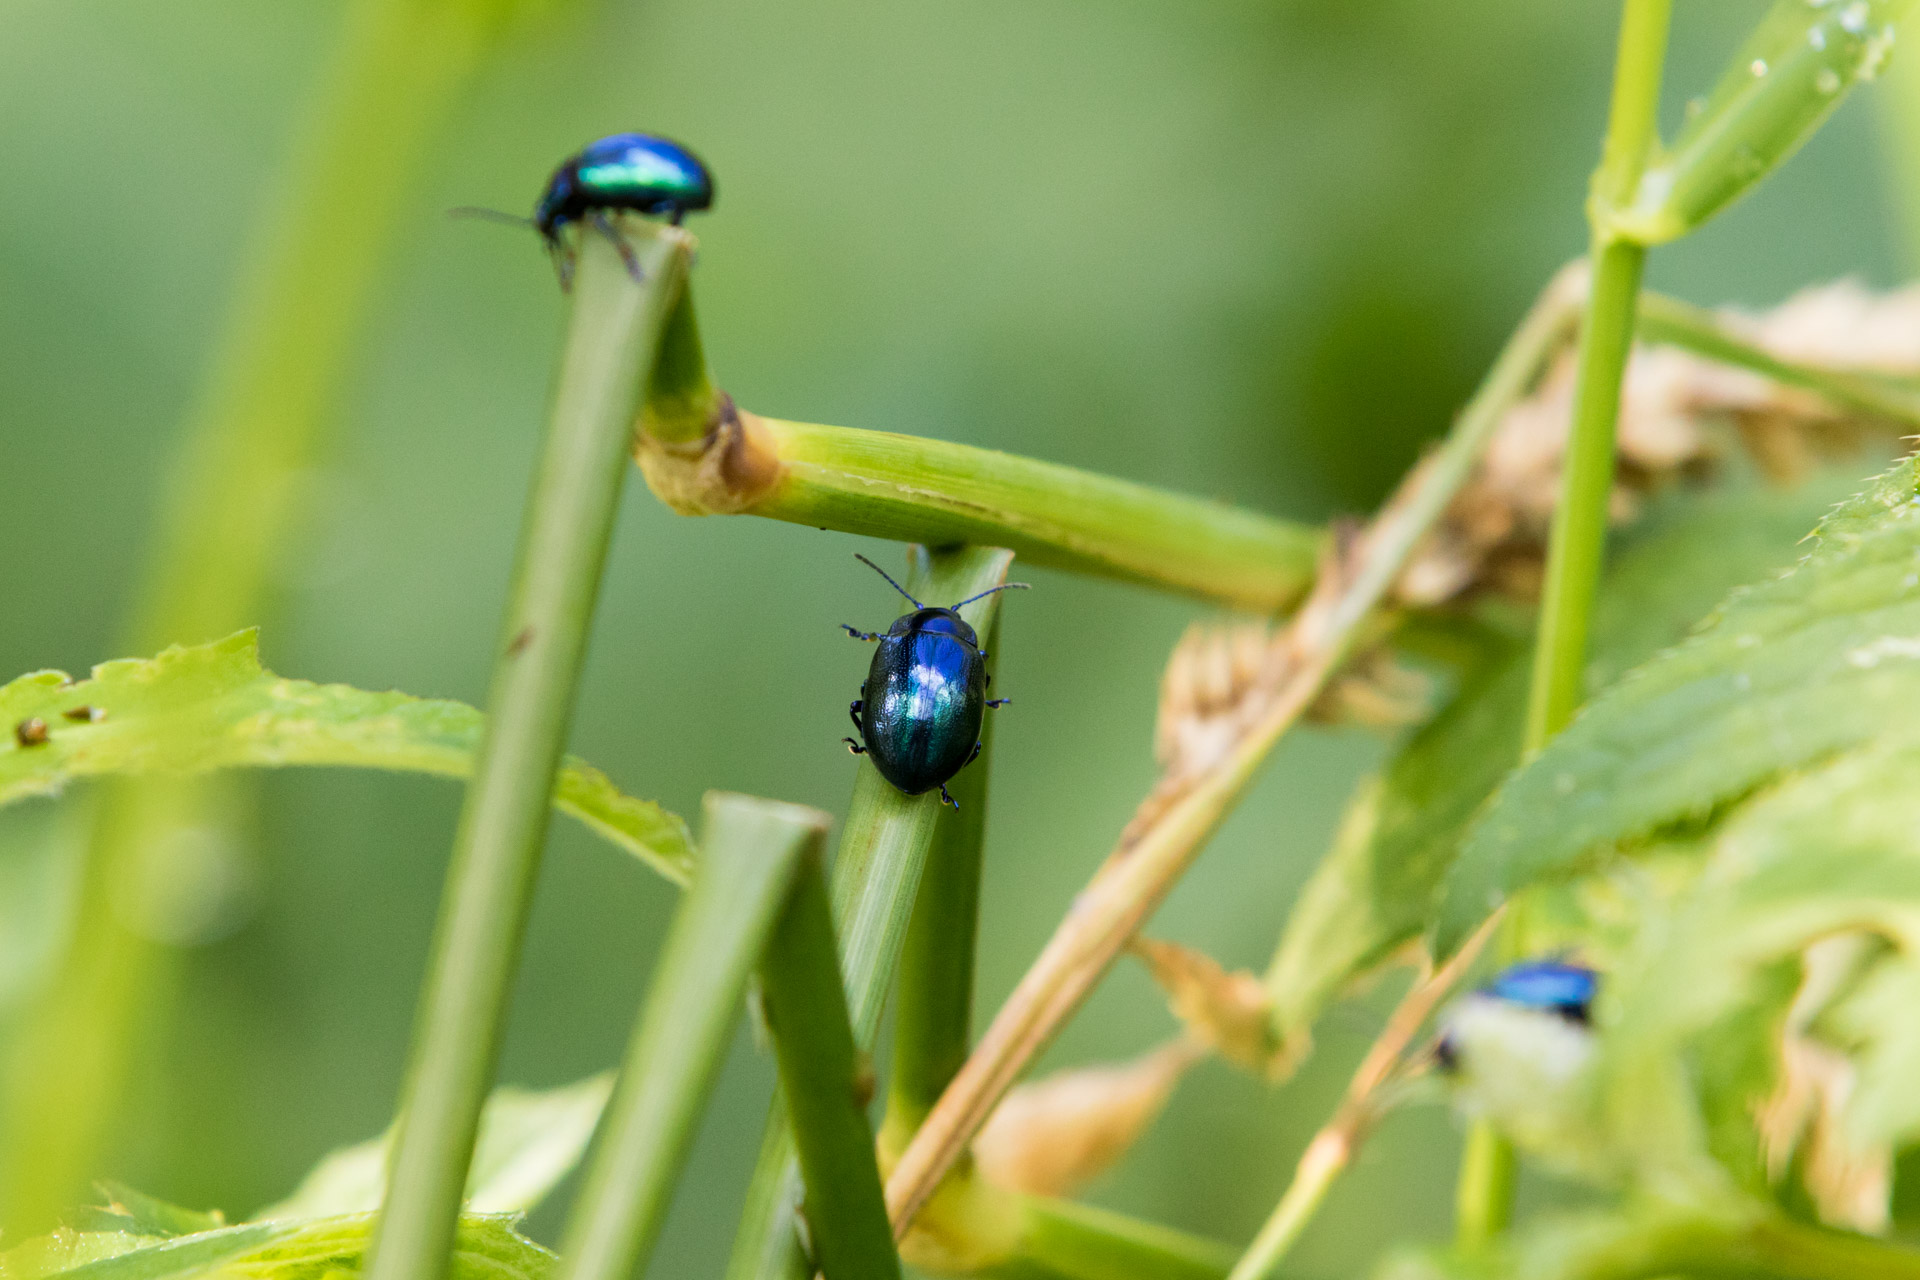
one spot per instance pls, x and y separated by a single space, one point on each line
883 573
1005 586
489 215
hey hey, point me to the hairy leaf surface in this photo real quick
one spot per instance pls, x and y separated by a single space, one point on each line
1822 660
1378 886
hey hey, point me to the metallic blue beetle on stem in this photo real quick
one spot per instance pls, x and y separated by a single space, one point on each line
919 713
634 171
1555 987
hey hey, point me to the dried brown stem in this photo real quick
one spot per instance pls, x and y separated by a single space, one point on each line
1185 807
1332 1148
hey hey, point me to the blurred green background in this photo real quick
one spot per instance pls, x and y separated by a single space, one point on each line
1252 250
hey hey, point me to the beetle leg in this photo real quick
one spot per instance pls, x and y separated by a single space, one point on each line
854 711
974 756
854 747
947 799
998 702
857 634
604 225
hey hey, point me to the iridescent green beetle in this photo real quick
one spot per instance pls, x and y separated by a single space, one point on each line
634 171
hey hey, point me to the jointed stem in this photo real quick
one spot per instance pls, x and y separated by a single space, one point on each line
611 344
1484 1198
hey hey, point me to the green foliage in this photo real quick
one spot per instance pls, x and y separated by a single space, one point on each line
1377 888
1782 84
196 708
529 1141
1731 833
487 1248
1787 672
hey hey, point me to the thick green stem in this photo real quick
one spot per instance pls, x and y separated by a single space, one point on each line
876 876
937 493
1484 1196
1078 1242
610 349
933 1012
820 1078
754 854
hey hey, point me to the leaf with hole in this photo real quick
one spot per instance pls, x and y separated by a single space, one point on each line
213 706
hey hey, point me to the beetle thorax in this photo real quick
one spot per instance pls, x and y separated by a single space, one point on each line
934 622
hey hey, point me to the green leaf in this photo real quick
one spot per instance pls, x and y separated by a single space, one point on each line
1817 661
1377 888
1875 1023
529 1141
487 1248
213 706
1785 81
137 1213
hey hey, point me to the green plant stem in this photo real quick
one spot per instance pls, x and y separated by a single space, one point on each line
1696 329
876 877
754 856
914 489
1489 1175
1078 1242
311 270
1757 1245
611 343
820 1078
1578 541
1484 1195
933 1009
1319 1168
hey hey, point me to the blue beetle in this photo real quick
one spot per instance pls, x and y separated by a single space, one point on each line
1543 986
636 171
1551 986
920 710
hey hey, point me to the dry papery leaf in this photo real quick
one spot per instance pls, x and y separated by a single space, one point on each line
1228 1012
1051 1137
1494 535
1850 1187
1204 703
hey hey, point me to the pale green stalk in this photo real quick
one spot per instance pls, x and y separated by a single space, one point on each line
826 1092
613 337
754 855
319 248
1484 1196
